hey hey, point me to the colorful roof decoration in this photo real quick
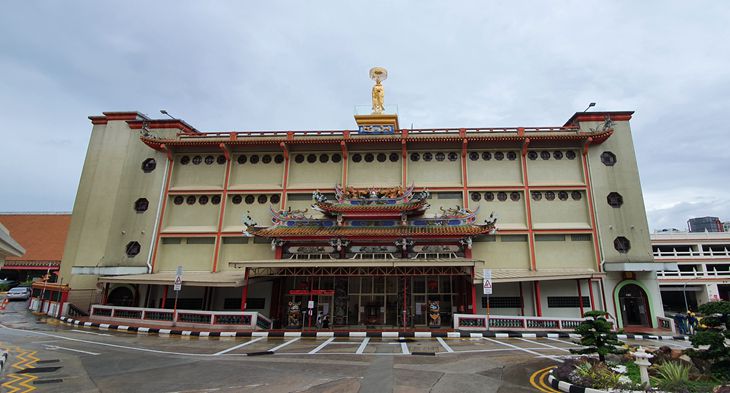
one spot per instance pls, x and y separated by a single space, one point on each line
387 202
363 214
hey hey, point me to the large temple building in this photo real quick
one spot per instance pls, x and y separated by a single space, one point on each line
376 227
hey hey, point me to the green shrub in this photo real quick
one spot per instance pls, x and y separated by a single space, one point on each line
597 376
714 334
672 376
596 336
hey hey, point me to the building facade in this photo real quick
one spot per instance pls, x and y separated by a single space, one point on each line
43 235
703 268
9 247
705 224
378 226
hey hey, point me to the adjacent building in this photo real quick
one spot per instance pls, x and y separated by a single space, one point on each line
703 274
377 227
9 247
43 235
705 224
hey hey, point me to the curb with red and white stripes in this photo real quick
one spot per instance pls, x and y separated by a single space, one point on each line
342 333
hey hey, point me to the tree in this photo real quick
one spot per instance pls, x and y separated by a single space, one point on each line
597 337
716 330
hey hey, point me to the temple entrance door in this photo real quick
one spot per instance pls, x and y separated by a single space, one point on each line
634 305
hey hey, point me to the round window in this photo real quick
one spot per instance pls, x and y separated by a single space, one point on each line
299 158
511 155
499 156
190 200
549 195
502 196
149 165
515 196
415 156
275 198
203 200
473 156
558 155
250 199
486 156
369 157
242 159
545 155
393 157
254 159
336 157
570 154
215 199
236 199
440 156
382 157
178 200
563 196
311 158
221 159
357 157
427 156
197 160
262 199
476 197
532 155
209 160
278 158
185 160
324 158
266 159
576 195
488 196
536 196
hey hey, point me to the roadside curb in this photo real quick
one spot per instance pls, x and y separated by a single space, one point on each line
568 387
358 334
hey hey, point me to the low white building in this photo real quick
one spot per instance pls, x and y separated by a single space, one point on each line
703 268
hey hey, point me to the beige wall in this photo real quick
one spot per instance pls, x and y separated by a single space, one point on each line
258 175
557 168
103 219
434 173
570 213
374 173
629 220
317 174
494 172
556 251
505 252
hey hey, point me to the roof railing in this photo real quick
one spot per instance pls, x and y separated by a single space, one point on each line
348 133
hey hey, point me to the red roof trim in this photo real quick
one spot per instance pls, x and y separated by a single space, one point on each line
162 123
111 116
214 142
598 116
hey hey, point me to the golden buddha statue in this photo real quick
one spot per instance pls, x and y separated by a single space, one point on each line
378 74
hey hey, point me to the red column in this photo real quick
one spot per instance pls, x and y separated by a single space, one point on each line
538 307
244 294
64 298
164 297
473 293
106 293
580 297
590 293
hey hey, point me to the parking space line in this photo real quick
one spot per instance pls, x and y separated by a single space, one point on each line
321 346
562 341
543 344
276 348
233 348
362 346
443 344
404 348
522 349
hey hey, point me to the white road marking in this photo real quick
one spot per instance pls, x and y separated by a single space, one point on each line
362 346
284 344
86 332
564 341
523 349
55 347
233 348
543 344
321 346
404 348
443 344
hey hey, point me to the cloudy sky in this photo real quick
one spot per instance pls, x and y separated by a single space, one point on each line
303 65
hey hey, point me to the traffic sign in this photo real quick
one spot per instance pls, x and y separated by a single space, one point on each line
178 279
487 281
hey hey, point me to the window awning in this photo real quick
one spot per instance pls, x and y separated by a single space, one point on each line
195 279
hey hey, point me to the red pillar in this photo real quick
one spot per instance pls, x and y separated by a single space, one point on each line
473 293
590 293
164 297
580 297
64 298
106 293
244 294
538 307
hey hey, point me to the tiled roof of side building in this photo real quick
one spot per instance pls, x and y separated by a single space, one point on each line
43 235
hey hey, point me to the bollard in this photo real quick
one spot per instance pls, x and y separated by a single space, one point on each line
642 360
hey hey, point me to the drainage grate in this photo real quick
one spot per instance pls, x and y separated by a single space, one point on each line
38 370
43 381
48 361
259 353
424 353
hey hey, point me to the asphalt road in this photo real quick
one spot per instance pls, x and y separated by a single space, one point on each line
47 355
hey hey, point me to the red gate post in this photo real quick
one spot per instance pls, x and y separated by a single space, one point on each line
244 293
538 306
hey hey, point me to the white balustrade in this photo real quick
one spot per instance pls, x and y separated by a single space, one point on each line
181 318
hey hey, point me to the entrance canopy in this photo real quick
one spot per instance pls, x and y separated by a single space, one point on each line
358 267
195 279
516 275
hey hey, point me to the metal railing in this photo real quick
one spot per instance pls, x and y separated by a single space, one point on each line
507 322
183 318
347 133
693 274
725 253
